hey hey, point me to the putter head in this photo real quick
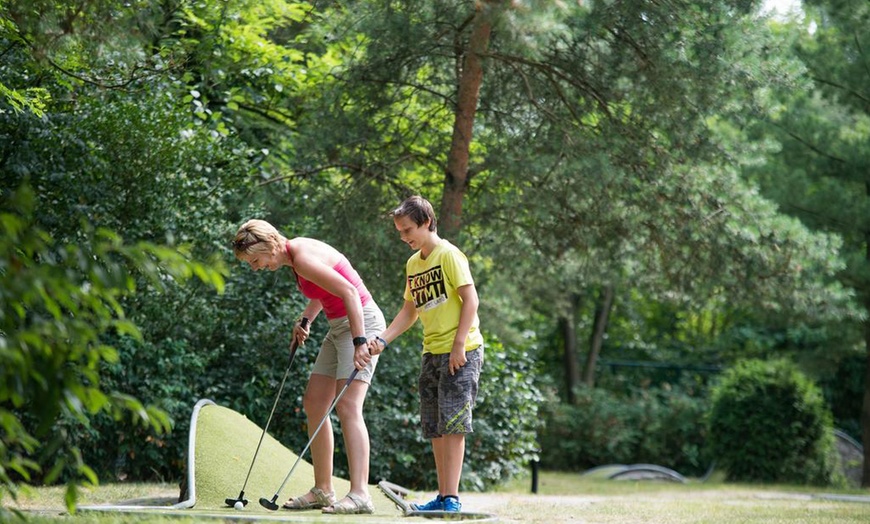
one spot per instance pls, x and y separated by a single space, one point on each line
269 504
241 498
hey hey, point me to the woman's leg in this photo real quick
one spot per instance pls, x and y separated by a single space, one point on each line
318 397
356 435
350 407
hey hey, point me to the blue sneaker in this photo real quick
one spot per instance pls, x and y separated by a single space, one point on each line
436 504
452 504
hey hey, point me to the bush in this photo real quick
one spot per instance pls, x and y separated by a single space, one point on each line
660 426
769 423
58 304
506 419
134 163
844 392
163 374
596 430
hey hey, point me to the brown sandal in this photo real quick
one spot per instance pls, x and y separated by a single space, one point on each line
322 499
351 505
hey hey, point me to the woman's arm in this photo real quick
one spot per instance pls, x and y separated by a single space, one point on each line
316 270
300 333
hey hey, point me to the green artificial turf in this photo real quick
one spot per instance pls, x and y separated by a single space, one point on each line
225 444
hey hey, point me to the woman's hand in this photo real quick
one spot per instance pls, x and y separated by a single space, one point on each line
361 356
301 331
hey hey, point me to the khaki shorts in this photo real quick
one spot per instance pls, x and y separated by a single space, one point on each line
336 353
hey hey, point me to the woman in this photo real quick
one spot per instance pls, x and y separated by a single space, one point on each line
328 280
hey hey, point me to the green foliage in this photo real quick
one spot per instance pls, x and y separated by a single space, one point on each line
816 168
132 159
59 301
399 453
658 426
844 392
769 423
604 153
507 417
168 375
127 162
248 66
29 99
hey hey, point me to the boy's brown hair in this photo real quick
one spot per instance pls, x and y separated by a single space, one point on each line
418 209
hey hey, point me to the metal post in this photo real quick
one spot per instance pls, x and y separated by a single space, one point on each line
535 465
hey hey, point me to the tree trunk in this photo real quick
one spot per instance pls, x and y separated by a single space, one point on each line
569 335
470 79
599 328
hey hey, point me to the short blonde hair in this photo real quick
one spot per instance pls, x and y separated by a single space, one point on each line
256 236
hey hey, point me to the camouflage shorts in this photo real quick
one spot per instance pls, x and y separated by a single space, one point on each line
447 401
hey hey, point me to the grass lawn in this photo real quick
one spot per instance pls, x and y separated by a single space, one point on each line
561 497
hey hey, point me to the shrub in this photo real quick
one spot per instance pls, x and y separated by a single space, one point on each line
769 423
506 419
596 430
660 426
57 304
163 374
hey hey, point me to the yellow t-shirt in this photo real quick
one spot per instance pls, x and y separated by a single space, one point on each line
431 285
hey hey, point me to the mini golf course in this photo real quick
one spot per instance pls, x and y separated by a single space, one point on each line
222 443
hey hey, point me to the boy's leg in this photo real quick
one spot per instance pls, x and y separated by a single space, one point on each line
457 393
449 451
438 453
429 417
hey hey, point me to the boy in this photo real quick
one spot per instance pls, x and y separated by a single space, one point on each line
440 292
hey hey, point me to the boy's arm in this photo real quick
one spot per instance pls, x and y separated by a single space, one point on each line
470 301
403 320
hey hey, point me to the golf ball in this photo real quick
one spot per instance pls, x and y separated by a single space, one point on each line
239 505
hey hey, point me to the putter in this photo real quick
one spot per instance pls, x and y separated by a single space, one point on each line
241 498
271 504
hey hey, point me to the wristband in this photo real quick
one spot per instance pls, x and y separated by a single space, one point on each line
359 341
382 341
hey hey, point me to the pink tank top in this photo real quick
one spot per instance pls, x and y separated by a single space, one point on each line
333 306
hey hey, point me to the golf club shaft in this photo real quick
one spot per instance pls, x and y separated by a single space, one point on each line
293 347
316 431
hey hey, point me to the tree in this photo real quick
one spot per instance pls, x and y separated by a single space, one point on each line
470 75
819 174
158 156
596 158
58 302
106 158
